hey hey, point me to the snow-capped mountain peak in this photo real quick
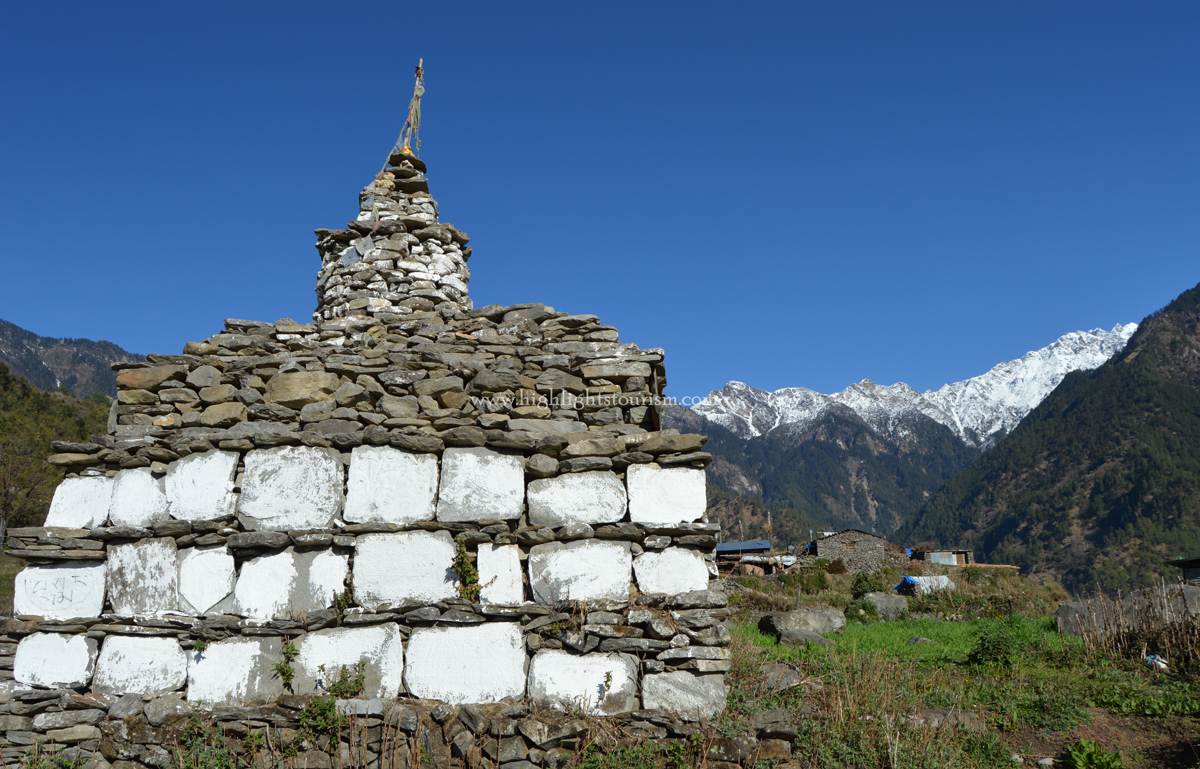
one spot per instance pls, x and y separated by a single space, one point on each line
976 409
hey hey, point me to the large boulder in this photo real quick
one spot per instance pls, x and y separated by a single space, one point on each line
815 620
889 605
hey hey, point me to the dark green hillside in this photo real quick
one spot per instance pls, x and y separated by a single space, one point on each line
1101 482
29 419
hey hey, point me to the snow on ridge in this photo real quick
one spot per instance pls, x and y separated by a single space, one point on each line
976 409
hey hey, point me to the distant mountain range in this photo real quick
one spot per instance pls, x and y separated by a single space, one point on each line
80 365
870 456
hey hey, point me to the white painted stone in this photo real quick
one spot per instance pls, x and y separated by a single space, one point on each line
665 495
583 570
500 574
291 487
690 696
140 665
138 499
289 584
571 682
379 646
206 577
480 484
60 591
416 566
80 503
674 570
594 497
143 576
236 671
461 665
390 485
200 486
55 660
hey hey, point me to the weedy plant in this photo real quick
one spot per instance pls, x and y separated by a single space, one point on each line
283 668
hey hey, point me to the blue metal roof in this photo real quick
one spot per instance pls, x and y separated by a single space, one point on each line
736 547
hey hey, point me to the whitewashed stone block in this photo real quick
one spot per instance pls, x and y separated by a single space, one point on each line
594 497
500 574
143 577
236 671
138 499
415 566
380 646
480 484
291 487
55 661
674 570
206 577
61 591
584 570
289 584
80 503
200 486
690 696
461 665
390 485
665 495
129 664
596 684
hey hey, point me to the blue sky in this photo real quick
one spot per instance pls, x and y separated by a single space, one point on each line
787 194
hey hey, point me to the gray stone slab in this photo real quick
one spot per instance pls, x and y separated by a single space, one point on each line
143 577
322 655
140 665
461 665
138 499
480 484
291 487
289 584
391 486
667 495
200 486
689 696
595 684
583 570
590 497
80 503
206 577
55 660
543 428
60 591
408 566
815 620
236 671
671 571
889 605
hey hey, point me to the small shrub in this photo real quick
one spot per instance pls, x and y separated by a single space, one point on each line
1087 754
865 582
862 611
837 567
320 718
995 645
349 682
468 574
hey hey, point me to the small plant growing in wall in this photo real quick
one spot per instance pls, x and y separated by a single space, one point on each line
341 602
283 668
349 682
200 645
468 575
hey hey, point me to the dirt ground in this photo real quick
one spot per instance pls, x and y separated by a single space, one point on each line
1144 743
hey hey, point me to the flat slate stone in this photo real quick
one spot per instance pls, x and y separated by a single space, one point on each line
143 577
595 684
289 584
665 496
291 487
689 696
500 574
200 486
140 665
391 486
463 665
480 484
80 503
409 565
380 646
55 660
671 571
590 497
583 570
138 499
60 591
236 671
206 577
